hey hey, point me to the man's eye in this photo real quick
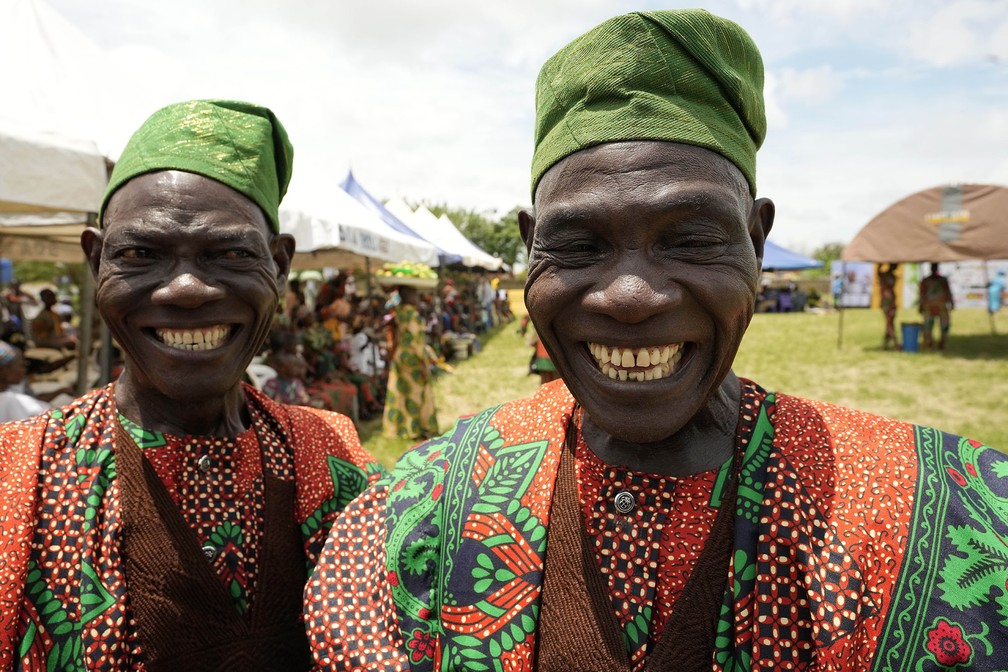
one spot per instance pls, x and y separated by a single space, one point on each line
690 243
136 253
582 247
236 254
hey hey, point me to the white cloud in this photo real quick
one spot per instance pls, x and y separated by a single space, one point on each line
836 9
959 32
812 85
435 99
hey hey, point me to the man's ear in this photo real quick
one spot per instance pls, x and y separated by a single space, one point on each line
526 225
760 222
91 241
282 248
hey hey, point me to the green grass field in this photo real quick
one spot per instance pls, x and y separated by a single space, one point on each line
962 390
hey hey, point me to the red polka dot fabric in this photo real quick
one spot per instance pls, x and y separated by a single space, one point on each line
66 601
647 554
860 543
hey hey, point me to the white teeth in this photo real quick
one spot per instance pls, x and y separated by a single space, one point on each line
637 364
207 338
643 357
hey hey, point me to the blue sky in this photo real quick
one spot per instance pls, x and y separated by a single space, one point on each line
868 100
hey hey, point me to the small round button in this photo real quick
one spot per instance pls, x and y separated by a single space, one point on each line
204 463
624 502
210 551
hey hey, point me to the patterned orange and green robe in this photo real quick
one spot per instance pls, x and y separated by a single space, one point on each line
65 602
860 543
409 397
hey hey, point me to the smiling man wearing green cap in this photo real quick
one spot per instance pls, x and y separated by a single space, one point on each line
652 510
166 521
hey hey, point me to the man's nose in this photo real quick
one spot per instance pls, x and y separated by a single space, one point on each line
187 289
633 293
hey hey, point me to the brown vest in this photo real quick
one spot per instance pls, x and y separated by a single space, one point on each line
185 617
578 629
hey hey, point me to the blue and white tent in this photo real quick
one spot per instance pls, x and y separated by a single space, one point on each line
351 186
777 258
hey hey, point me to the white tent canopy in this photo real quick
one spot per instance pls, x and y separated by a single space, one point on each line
443 233
50 188
46 173
338 231
48 182
483 259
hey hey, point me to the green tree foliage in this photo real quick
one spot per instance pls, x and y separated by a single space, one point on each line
827 254
495 234
48 271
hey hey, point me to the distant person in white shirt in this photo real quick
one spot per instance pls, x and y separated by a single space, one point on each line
14 403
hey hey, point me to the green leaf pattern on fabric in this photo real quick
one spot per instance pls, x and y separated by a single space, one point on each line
977 570
65 630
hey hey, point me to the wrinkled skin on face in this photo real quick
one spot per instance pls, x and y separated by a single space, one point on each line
188 278
644 262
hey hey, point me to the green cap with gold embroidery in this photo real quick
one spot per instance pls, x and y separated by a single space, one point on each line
239 144
676 75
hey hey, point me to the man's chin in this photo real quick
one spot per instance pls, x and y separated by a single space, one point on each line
639 433
186 390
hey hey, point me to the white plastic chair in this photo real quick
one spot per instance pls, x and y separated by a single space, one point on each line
260 373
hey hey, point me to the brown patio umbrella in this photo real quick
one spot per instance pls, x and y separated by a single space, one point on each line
947 223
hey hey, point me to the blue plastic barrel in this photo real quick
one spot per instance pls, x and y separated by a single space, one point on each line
911 336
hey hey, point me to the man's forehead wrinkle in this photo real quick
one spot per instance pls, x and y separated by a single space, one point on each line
213 232
693 195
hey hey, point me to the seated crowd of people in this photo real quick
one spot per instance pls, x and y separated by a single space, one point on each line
44 320
329 345
37 336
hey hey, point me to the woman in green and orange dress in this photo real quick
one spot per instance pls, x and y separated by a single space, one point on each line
409 400
887 291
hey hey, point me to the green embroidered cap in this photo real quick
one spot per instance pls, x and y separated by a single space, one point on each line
239 144
675 75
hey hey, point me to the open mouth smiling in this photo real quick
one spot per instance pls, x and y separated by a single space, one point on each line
201 338
639 364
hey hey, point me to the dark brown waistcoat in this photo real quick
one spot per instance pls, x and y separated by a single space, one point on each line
186 619
578 629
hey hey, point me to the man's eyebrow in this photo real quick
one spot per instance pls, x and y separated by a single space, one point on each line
218 237
155 236
565 216
668 203
136 234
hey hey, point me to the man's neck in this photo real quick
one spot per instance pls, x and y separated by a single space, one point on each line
221 416
706 443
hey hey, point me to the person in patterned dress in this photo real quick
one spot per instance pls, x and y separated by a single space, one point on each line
409 411
169 520
651 510
887 298
936 303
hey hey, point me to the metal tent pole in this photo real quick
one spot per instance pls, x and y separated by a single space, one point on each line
987 283
84 347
